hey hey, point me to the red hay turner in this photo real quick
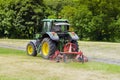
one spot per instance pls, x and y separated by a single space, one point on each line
69 50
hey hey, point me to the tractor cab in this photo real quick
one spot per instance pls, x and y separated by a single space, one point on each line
55 25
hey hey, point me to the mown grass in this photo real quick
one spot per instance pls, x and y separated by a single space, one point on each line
89 48
89 65
110 68
23 67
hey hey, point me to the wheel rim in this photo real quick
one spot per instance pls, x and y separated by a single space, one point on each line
30 49
45 48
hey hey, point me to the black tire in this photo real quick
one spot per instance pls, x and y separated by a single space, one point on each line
48 48
31 50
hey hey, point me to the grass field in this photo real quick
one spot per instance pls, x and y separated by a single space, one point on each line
16 65
101 49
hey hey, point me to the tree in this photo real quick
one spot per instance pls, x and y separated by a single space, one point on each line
21 17
54 7
104 17
79 18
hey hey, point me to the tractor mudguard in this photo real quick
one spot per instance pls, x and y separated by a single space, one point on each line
73 35
33 42
53 36
36 43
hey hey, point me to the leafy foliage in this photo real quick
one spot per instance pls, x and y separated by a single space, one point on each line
91 19
20 17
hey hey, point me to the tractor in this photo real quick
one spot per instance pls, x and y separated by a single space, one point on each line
56 42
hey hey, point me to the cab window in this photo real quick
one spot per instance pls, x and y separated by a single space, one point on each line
46 26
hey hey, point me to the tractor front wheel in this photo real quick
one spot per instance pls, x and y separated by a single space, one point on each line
48 48
31 51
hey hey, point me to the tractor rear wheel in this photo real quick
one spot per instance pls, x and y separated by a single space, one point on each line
48 48
31 51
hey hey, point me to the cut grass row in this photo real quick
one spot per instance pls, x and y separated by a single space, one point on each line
103 50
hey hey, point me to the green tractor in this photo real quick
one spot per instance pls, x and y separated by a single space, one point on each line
55 41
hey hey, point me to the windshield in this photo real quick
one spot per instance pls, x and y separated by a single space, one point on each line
60 27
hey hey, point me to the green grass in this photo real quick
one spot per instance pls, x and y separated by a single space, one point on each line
15 78
7 51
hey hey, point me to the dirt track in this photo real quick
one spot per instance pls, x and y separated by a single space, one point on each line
103 53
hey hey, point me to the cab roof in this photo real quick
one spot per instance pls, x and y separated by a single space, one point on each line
62 24
55 20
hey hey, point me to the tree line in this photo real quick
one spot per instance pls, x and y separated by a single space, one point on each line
91 19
